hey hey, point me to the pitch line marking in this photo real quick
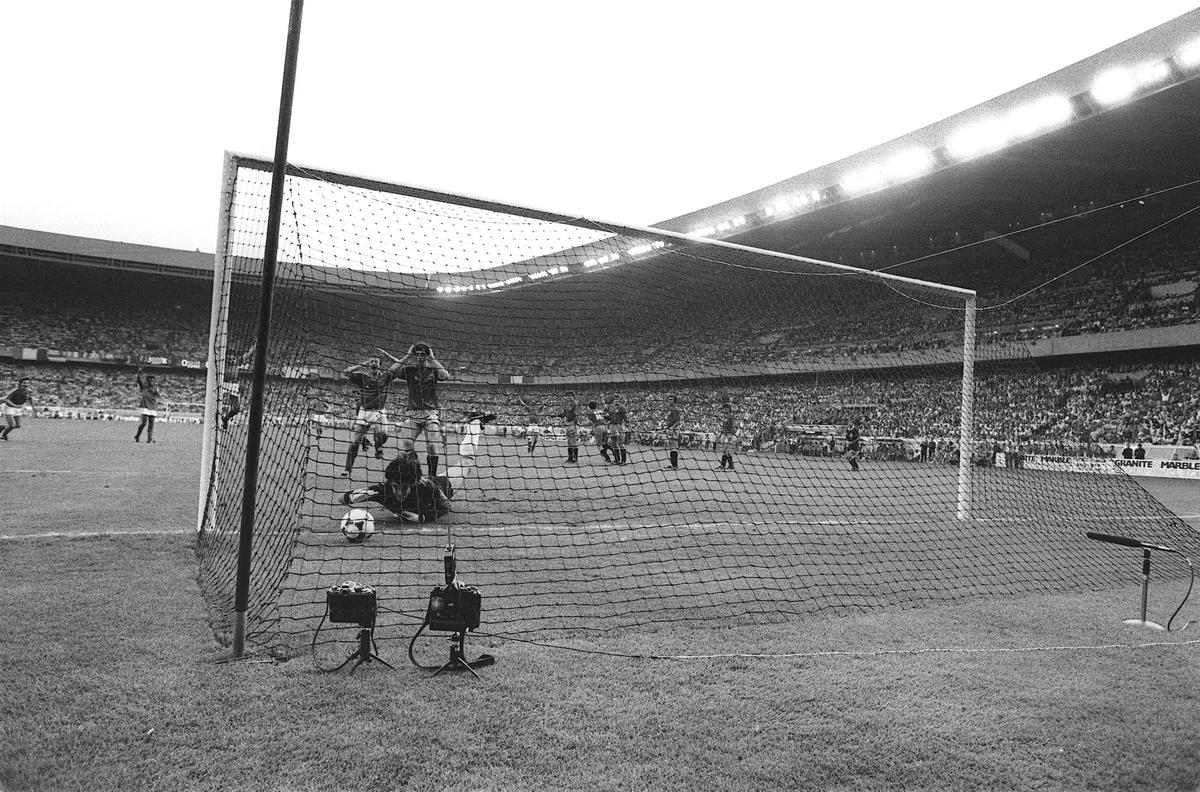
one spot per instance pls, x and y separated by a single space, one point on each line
93 534
68 472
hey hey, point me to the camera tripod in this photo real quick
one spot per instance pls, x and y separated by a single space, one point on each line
457 661
365 652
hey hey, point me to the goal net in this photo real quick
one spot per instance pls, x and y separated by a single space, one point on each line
632 427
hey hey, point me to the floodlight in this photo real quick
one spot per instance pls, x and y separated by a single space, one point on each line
865 180
909 164
1152 73
978 138
1113 86
1189 55
1038 116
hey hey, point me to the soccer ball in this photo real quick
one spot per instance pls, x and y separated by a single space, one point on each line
358 525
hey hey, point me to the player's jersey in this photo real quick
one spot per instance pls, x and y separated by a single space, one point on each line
372 389
674 416
569 415
853 439
422 387
598 418
18 396
616 415
149 396
729 425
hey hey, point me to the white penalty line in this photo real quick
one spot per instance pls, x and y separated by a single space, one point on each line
728 524
92 534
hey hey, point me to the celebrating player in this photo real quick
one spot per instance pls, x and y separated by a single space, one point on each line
533 427
671 426
727 436
148 402
371 381
422 371
13 404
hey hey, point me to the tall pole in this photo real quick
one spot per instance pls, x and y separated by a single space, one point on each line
967 419
258 383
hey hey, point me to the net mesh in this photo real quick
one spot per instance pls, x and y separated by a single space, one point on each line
635 428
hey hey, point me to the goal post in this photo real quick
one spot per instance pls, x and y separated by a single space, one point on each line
707 395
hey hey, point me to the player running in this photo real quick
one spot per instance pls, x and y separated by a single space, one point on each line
371 382
14 404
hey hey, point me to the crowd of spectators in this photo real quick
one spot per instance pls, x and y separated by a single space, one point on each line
1016 404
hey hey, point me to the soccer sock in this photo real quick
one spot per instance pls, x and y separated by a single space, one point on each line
731 461
624 456
674 459
351 455
432 460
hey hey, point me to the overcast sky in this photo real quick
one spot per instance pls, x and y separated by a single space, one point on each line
117 113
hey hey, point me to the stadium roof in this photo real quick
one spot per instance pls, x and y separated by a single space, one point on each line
1145 140
28 243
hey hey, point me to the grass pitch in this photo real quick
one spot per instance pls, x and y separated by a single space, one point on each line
110 679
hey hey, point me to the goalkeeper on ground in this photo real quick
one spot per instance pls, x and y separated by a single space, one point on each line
405 492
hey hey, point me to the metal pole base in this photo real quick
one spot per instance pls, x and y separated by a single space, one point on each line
1144 623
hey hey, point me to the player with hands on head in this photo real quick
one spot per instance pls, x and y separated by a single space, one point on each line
148 397
371 381
422 371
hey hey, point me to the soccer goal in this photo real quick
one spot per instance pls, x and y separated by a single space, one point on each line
726 434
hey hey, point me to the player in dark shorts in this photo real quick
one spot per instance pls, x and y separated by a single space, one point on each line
853 445
148 403
371 382
422 371
672 426
405 492
615 415
14 403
